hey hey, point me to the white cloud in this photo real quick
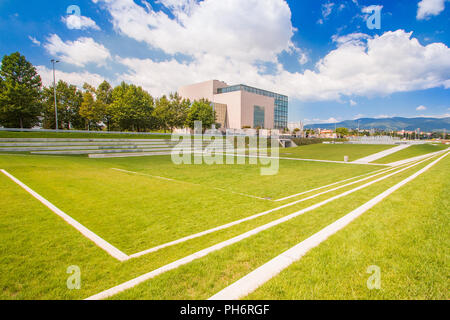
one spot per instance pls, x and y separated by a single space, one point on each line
384 116
353 103
421 108
34 40
318 121
228 40
79 52
79 22
393 62
327 8
75 78
242 30
350 37
428 8
372 8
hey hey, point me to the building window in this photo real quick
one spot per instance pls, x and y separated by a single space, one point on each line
258 117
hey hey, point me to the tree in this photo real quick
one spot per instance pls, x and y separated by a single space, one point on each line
180 109
68 101
201 111
91 110
105 98
132 108
20 90
162 113
342 132
171 114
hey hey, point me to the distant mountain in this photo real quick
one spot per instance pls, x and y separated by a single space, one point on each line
397 123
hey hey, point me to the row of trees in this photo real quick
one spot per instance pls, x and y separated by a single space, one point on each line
24 103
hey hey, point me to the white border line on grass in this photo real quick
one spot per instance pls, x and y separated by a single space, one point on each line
106 246
202 253
249 283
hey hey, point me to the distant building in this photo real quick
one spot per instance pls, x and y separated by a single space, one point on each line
295 125
241 106
328 134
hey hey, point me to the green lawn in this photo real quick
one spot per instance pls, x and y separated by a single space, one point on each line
335 152
412 151
135 212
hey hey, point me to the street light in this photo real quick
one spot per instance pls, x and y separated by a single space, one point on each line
53 61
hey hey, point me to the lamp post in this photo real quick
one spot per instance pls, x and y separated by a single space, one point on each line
54 91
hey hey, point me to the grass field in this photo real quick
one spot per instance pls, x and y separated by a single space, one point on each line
412 151
155 202
335 152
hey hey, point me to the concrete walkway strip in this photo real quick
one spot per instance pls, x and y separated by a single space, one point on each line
329 185
248 284
381 154
110 249
134 282
401 162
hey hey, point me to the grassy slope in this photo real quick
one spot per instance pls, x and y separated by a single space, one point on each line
38 246
406 236
335 152
413 151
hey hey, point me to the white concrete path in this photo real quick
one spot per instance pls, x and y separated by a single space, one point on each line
261 275
402 162
381 154
202 253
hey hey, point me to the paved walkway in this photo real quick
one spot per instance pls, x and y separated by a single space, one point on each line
381 154
401 162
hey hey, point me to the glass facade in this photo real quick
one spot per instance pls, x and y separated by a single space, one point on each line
258 117
281 102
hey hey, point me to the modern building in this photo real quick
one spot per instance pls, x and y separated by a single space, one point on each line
241 106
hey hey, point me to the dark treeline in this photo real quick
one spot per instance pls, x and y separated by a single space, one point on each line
25 103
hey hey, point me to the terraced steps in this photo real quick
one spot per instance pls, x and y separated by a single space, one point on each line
92 147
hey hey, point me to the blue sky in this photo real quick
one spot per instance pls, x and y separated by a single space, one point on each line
320 53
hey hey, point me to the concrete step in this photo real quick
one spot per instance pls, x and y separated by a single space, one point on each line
110 143
127 155
83 152
78 140
27 149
